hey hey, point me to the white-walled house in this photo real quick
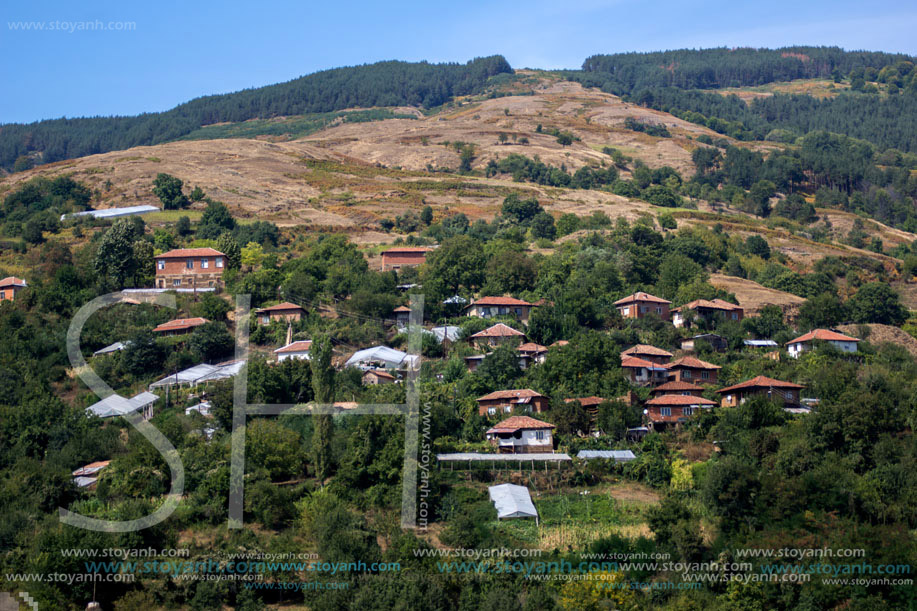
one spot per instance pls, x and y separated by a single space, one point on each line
521 435
806 342
296 350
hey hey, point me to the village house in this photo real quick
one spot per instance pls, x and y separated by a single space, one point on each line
402 316
648 353
806 342
179 326
190 268
521 435
690 369
398 257
706 309
666 410
283 312
642 304
374 377
761 386
295 350
678 388
9 286
591 406
717 342
496 335
640 371
504 401
536 353
489 307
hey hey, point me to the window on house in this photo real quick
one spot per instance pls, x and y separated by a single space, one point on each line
539 435
686 374
219 261
705 375
2 294
160 264
507 408
687 411
189 264
659 310
665 411
644 309
205 263
735 316
491 410
176 282
626 311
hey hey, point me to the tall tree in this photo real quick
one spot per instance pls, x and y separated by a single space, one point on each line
323 388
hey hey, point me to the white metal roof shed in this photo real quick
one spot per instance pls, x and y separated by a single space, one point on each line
616 455
389 357
116 405
512 501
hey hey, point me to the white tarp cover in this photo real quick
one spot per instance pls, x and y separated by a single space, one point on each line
389 357
112 348
200 374
616 455
116 405
448 332
110 213
512 501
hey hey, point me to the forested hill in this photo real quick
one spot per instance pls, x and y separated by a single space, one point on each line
716 68
392 83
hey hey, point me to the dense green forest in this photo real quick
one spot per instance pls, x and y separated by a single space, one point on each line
392 83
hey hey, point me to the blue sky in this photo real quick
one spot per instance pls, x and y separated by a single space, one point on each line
152 56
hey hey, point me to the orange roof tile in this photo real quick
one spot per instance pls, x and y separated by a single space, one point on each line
646 349
823 335
632 362
641 296
676 387
180 324
303 345
690 362
180 253
679 400
531 347
586 401
515 423
286 305
498 301
519 394
710 304
499 330
12 281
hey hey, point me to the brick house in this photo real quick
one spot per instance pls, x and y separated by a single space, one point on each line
648 353
640 371
284 312
395 258
521 435
179 326
496 335
9 286
504 401
761 386
642 304
707 309
488 307
666 410
806 342
690 369
190 268
536 353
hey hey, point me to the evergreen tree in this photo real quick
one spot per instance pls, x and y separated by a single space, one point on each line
323 389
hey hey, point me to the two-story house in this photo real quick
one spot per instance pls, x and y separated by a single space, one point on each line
283 312
489 307
505 401
496 335
806 342
707 309
9 286
666 410
521 435
761 386
648 353
190 268
398 257
678 388
640 371
690 369
642 304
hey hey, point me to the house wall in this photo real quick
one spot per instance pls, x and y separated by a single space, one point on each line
265 318
172 270
9 293
639 309
292 355
694 376
788 395
527 443
484 311
397 261
798 348
537 405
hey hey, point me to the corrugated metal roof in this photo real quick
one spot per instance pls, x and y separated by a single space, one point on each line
616 455
512 501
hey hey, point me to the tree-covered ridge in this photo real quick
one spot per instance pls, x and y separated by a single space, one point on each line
723 67
391 83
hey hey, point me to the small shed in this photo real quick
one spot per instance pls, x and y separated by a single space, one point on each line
512 501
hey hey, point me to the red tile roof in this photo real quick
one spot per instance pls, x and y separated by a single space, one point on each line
498 301
286 305
180 324
710 304
407 250
499 330
676 387
761 382
531 347
640 296
402 309
380 373
302 345
824 335
632 362
646 349
12 281
690 362
522 395
679 400
180 253
586 401
516 423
